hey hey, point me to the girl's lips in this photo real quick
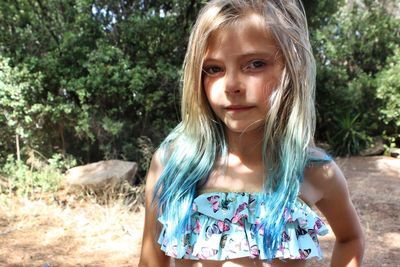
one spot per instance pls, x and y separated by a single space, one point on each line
238 108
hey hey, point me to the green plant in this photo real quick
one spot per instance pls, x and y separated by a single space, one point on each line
349 138
357 74
389 90
61 162
23 180
390 142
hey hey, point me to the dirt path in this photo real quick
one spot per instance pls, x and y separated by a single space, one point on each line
33 233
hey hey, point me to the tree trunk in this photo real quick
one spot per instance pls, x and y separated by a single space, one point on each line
61 132
17 145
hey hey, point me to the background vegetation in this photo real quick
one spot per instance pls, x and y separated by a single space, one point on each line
85 80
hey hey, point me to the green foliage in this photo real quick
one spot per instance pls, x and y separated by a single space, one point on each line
59 162
351 52
20 115
86 80
23 180
350 138
388 91
319 12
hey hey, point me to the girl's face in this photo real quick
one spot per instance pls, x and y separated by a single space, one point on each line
241 68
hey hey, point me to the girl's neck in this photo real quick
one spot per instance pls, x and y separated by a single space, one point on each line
243 168
246 145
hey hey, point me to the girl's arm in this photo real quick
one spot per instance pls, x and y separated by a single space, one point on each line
338 209
151 254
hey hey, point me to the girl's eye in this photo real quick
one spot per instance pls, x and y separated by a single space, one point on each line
255 64
212 70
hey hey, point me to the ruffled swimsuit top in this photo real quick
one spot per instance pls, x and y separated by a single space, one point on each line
226 225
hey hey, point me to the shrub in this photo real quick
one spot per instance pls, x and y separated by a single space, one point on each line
24 180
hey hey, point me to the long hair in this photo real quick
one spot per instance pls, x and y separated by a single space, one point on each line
190 151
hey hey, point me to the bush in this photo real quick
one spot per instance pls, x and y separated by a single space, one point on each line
357 87
24 180
389 91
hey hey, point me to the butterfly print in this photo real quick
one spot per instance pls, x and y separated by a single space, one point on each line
251 199
252 204
300 231
288 216
255 252
223 226
217 228
224 238
281 249
318 224
186 240
196 229
225 204
313 234
207 253
285 237
237 217
211 230
231 225
188 252
214 200
241 207
304 253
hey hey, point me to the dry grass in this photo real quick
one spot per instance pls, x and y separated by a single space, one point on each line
78 231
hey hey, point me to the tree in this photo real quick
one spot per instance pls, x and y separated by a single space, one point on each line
20 116
351 51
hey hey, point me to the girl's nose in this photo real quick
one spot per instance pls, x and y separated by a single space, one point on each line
233 84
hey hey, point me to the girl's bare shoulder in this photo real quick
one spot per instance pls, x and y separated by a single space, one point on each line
154 168
323 179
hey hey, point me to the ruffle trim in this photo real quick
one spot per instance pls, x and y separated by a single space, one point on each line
228 226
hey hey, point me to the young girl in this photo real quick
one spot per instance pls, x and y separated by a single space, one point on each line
233 183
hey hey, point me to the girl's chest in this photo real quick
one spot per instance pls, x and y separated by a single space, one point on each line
235 179
251 179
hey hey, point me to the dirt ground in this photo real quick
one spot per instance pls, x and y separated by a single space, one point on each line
84 233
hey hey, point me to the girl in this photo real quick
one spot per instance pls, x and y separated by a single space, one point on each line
233 183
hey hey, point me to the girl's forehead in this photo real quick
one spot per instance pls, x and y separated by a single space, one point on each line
246 34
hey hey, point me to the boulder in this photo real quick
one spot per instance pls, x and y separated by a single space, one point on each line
376 149
103 174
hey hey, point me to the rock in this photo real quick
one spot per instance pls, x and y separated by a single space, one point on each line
394 152
376 149
102 174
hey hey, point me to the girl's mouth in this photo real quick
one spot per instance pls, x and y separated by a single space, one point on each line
238 108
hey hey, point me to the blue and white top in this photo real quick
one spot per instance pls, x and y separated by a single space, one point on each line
226 225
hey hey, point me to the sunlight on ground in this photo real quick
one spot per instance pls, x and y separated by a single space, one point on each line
392 240
86 233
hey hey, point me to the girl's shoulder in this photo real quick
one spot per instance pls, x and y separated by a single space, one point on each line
321 176
317 156
154 171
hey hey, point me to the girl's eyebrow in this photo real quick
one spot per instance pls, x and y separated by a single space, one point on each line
261 54
258 54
